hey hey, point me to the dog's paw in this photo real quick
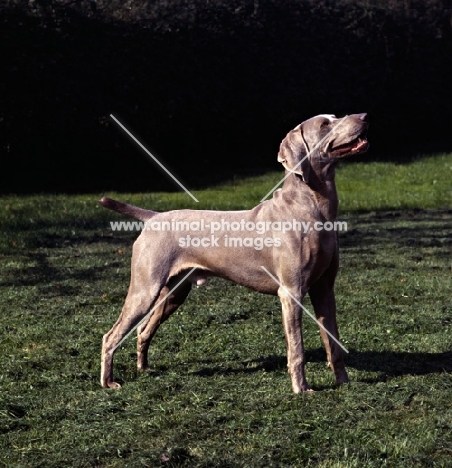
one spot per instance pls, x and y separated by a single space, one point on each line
342 379
305 388
308 390
113 385
340 374
343 382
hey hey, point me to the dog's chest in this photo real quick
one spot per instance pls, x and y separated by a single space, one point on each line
319 245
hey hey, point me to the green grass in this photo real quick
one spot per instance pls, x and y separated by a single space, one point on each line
219 394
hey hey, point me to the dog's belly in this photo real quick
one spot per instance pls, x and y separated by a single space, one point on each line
239 265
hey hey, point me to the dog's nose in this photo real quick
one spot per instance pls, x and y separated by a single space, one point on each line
363 117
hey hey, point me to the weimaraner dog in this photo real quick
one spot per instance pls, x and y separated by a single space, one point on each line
300 260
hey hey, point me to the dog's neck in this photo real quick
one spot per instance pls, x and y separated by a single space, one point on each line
321 187
327 200
322 182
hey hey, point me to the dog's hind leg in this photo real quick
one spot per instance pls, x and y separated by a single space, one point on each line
147 330
146 284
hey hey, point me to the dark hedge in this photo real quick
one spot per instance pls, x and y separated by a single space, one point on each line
210 87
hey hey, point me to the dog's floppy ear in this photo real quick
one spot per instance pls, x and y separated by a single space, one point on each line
293 153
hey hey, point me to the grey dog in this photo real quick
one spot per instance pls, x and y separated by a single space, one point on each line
288 263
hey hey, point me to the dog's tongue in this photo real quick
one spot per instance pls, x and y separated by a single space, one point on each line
360 143
356 145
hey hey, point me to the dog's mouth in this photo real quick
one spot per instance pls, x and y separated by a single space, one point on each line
356 146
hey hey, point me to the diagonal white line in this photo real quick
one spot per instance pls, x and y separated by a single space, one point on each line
153 157
299 163
304 308
155 307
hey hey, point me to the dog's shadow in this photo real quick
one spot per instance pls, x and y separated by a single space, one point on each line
386 364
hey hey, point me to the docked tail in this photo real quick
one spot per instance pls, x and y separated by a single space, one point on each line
129 210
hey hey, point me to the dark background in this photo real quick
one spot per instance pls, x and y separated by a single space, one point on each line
210 87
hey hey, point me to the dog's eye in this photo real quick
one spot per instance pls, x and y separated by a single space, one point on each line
324 124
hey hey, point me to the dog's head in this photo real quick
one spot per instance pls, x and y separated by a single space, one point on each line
325 137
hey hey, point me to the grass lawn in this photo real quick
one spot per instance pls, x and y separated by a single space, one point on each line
219 394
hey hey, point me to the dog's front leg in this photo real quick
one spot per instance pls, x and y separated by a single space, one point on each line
322 298
291 316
